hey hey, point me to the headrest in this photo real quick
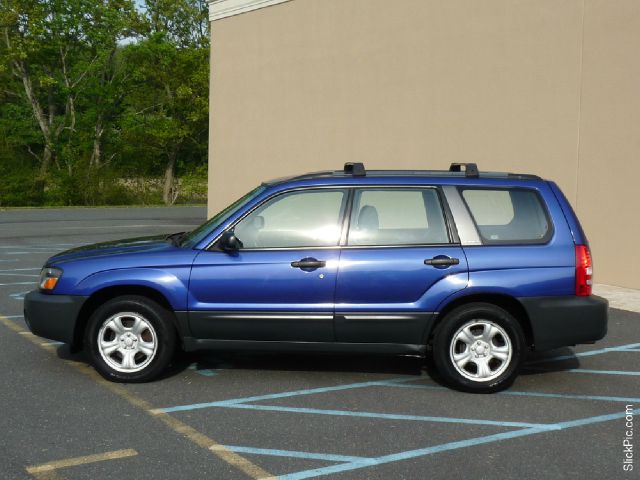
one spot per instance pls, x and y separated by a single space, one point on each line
368 218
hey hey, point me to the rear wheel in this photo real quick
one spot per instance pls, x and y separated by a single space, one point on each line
130 339
478 347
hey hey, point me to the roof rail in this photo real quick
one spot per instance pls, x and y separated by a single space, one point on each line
470 169
355 169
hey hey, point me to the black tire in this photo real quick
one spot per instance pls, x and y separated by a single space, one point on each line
159 330
479 317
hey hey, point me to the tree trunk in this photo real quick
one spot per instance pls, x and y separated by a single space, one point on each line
46 160
97 142
168 192
23 72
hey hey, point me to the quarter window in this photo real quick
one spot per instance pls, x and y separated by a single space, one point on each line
397 217
297 219
508 216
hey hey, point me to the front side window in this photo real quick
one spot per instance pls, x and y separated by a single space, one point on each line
508 216
397 217
297 219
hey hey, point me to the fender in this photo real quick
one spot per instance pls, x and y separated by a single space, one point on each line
515 283
172 284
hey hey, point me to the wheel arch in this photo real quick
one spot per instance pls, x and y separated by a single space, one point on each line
506 302
103 295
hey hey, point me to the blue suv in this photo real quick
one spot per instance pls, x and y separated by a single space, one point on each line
473 269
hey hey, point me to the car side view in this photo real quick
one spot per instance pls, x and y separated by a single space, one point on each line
471 269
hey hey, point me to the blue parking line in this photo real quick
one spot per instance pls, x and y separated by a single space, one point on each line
585 354
205 372
295 393
603 372
317 472
386 416
243 403
567 396
329 457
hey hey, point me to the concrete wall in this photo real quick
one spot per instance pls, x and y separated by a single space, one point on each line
536 86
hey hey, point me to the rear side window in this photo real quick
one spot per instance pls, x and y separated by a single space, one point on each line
397 217
508 216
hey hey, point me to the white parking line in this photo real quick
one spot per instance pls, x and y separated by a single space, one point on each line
20 269
18 274
20 295
161 225
48 245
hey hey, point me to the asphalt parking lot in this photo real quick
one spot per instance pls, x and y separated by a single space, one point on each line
239 416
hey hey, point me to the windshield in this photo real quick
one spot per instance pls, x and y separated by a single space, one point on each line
196 236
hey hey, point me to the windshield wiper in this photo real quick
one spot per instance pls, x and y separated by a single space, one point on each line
175 238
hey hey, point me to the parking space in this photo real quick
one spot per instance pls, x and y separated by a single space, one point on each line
235 416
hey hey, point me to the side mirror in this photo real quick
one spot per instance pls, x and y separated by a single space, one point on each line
229 242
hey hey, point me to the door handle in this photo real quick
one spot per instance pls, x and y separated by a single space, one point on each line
309 264
442 261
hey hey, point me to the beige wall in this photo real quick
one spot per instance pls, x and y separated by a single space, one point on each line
609 149
537 86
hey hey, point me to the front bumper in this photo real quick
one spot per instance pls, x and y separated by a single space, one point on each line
52 316
563 321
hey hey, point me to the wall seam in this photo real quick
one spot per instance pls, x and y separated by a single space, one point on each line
580 83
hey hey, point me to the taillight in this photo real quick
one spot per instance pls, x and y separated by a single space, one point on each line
584 271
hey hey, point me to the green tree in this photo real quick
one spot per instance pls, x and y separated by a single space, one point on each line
53 48
95 91
167 103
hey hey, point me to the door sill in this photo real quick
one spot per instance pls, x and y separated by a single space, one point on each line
192 344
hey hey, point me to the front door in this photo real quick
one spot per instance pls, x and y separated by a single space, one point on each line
280 285
398 264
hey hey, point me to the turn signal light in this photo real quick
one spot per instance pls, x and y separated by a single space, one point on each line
49 278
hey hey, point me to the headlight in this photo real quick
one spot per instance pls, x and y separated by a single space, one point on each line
49 277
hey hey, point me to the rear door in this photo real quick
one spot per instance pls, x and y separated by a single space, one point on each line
399 261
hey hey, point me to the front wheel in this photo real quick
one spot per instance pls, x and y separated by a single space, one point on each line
130 339
479 348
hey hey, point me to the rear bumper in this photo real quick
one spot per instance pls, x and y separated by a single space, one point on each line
562 321
52 316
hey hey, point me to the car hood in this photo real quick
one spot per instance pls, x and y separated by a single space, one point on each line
156 243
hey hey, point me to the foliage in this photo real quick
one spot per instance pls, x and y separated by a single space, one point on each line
97 96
